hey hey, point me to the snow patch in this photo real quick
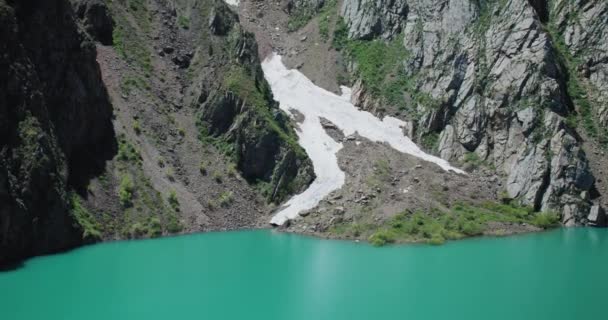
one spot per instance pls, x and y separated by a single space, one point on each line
232 2
294 91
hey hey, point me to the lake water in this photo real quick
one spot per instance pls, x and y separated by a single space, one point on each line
560 274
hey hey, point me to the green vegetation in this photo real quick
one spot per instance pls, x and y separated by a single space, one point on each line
231 170
381 175
578 90
225 199
217 176
439 225
302 16
340 40
203 168
126 33
126 151
183 22
173 224
379 65
472 161
136 127
257 93
131 83
91 229
126 190
326 15
151 228
430 142
170 174
173 201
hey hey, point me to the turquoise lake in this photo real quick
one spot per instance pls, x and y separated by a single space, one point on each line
562 274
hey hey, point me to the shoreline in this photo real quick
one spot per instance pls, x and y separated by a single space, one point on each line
16 265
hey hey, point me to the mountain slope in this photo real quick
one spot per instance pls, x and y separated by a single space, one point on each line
173 129
489 84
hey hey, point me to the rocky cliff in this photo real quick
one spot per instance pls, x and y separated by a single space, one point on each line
131 119
505 85
54 122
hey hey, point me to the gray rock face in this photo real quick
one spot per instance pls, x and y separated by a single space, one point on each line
240 115
367 19
500 86
583 25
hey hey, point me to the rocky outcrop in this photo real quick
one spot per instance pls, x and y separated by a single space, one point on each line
96 19
240 112
371 19
496 86
55 128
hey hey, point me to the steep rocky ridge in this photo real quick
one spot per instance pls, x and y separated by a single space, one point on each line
208 141
54 122
495 88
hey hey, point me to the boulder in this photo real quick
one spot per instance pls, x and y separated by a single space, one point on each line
597 216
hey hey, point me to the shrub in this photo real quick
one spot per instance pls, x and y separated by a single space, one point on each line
225 199
126 151
137 230
183 22
126 190
436 239
202 168
471 228
381 238
217 177
546 220
173 201
173 225
136 127
232 170
154 228
169 174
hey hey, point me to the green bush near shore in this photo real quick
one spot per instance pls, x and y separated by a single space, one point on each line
438 225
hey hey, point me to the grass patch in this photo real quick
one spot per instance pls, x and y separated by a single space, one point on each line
379 65
91 229
326 15
125 35
438 225
430 142
131 83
